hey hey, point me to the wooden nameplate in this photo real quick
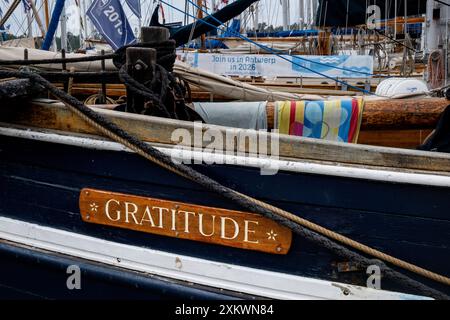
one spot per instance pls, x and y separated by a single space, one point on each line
185 221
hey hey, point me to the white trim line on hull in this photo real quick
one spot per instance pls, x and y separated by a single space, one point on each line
205 272
283 165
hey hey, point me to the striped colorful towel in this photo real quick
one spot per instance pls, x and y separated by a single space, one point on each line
338 120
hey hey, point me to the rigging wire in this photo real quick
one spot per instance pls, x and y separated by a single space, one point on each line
442 2
20 25
280 53
284 58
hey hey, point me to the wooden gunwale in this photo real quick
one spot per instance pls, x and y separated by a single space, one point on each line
54 115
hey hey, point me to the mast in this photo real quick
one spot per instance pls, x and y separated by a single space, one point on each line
63 22
346 16
405 17
37 17
301 4
29 20
140 16
80 11
47 14
314 6
83 11
53 24
256 16
395 20
446 45
285 7
433 31
200 16
308 12
386 17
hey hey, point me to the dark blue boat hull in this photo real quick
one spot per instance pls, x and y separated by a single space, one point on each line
40 183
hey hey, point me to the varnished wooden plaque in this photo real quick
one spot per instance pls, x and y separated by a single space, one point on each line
185 221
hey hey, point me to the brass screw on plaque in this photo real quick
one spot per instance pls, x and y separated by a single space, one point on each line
279 249
88 217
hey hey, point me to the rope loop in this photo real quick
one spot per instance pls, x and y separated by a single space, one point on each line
164 93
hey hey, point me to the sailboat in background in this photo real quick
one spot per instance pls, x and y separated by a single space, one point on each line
312 61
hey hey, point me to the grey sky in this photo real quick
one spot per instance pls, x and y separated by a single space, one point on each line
270 12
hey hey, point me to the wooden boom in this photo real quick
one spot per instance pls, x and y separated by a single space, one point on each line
393 113
399 123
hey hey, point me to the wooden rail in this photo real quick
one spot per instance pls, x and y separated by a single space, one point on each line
54 115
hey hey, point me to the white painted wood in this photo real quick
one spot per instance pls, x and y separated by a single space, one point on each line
205 272
298 166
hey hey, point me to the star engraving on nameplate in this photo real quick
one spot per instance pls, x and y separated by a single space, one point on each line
271 235
94 207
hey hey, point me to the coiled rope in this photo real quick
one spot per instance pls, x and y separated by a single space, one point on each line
97 98
436 69
298 225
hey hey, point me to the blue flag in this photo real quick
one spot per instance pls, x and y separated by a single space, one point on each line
110 20
135 6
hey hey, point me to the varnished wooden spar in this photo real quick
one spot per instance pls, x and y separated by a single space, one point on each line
403 113
400 123
419 114
393 114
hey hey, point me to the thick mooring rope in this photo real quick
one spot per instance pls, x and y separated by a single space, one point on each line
305 228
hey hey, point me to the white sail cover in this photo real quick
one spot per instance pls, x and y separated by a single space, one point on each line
11 53
234 89
213 83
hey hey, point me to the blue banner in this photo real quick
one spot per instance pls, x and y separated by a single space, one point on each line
110 20
135 6
272 66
